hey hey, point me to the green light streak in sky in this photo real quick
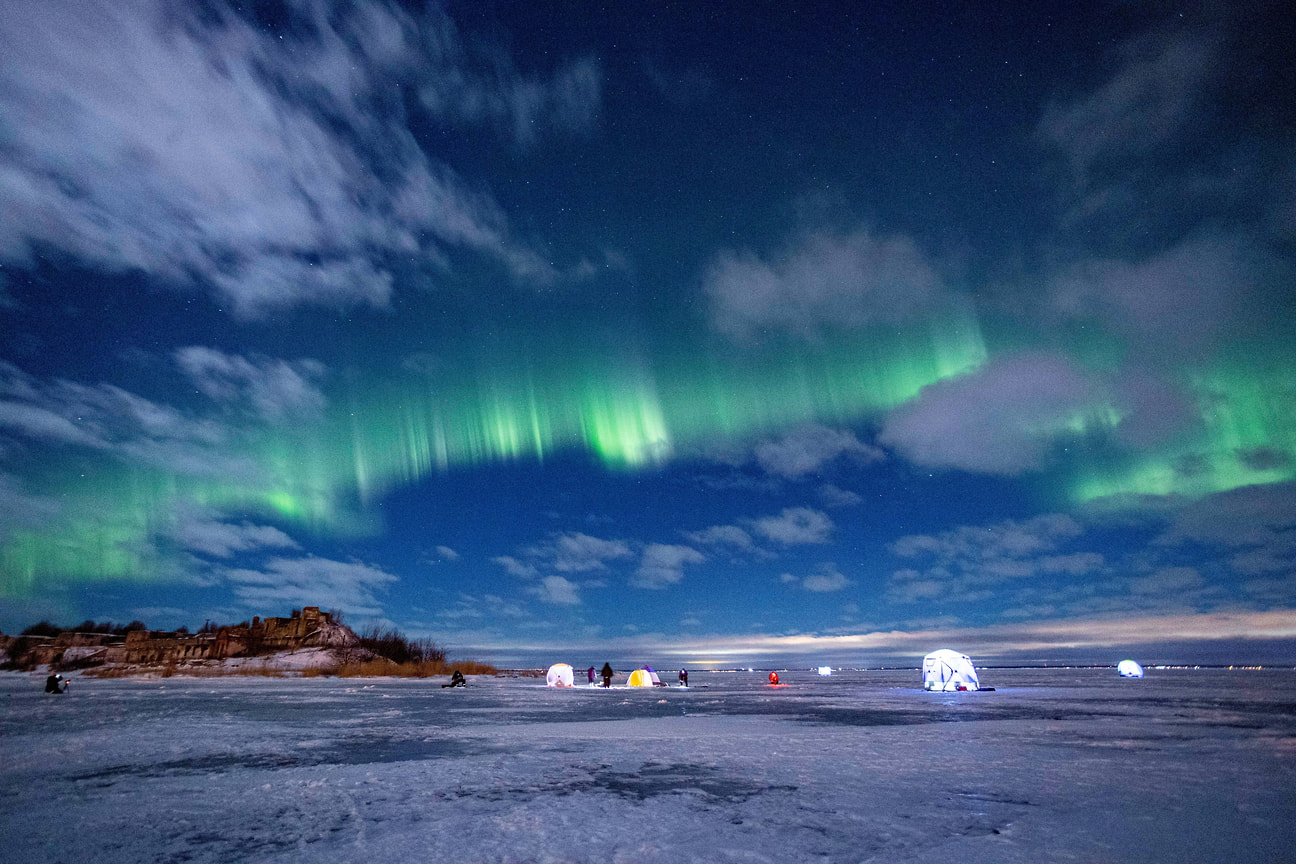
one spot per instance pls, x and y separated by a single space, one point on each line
1247 436
525 403
627 413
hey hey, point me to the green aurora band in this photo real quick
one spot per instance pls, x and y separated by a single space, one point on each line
117 522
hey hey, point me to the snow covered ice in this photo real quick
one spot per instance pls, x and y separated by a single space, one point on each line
1055 765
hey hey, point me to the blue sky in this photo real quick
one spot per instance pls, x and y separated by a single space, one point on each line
692 332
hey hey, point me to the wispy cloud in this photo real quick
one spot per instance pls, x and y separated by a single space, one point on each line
274 168
1039 638
966 564
663 565
223 539
1145 105
722 535
113 421
350 586
795 526
551 568
557 591
1001 419
808 449
825 282
277 390
827 578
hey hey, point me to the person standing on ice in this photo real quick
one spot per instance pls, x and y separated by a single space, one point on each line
683 676
590 675
607 674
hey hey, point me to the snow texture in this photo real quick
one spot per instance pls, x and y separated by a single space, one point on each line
1054 765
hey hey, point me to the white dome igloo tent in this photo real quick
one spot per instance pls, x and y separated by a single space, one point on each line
1129 669
947 670
559 675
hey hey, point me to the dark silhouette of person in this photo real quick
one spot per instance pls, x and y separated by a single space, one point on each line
607 674
590 675
52 684
456 680
683 676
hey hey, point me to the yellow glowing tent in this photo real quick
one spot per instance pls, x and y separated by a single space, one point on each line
644 678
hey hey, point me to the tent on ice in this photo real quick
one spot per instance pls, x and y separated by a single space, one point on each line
1129 669
559 675
825 670
644 677
947 670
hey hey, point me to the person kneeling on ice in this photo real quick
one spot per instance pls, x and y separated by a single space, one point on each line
606 672
53 685
456 680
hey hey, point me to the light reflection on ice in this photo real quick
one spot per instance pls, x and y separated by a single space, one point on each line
1054 765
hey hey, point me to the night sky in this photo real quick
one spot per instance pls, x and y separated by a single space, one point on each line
663 332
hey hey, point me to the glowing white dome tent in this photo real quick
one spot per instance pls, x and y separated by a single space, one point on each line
947 670
1129 669
825 670
644 677
559 675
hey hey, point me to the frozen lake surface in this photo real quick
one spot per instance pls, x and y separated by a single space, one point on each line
1055 765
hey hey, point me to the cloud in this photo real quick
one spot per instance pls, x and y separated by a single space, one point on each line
557 591
964 564
1178 135
1179 298
827 282
1248 516
447 554
722 535
827 579
1255 524
1077 564
275 169
523 108
1009 539
113 421
222 540
1145 106
1088 636
795 525
1001 419
1168 581
349 586
277 390
580 553
807 449
20 507
514 567
833 496
565 553
663 565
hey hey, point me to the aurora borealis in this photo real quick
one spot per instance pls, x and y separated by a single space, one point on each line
700 332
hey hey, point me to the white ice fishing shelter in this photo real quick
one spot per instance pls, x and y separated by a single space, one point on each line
1129 669
948 670
559 675
643 678
825 670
